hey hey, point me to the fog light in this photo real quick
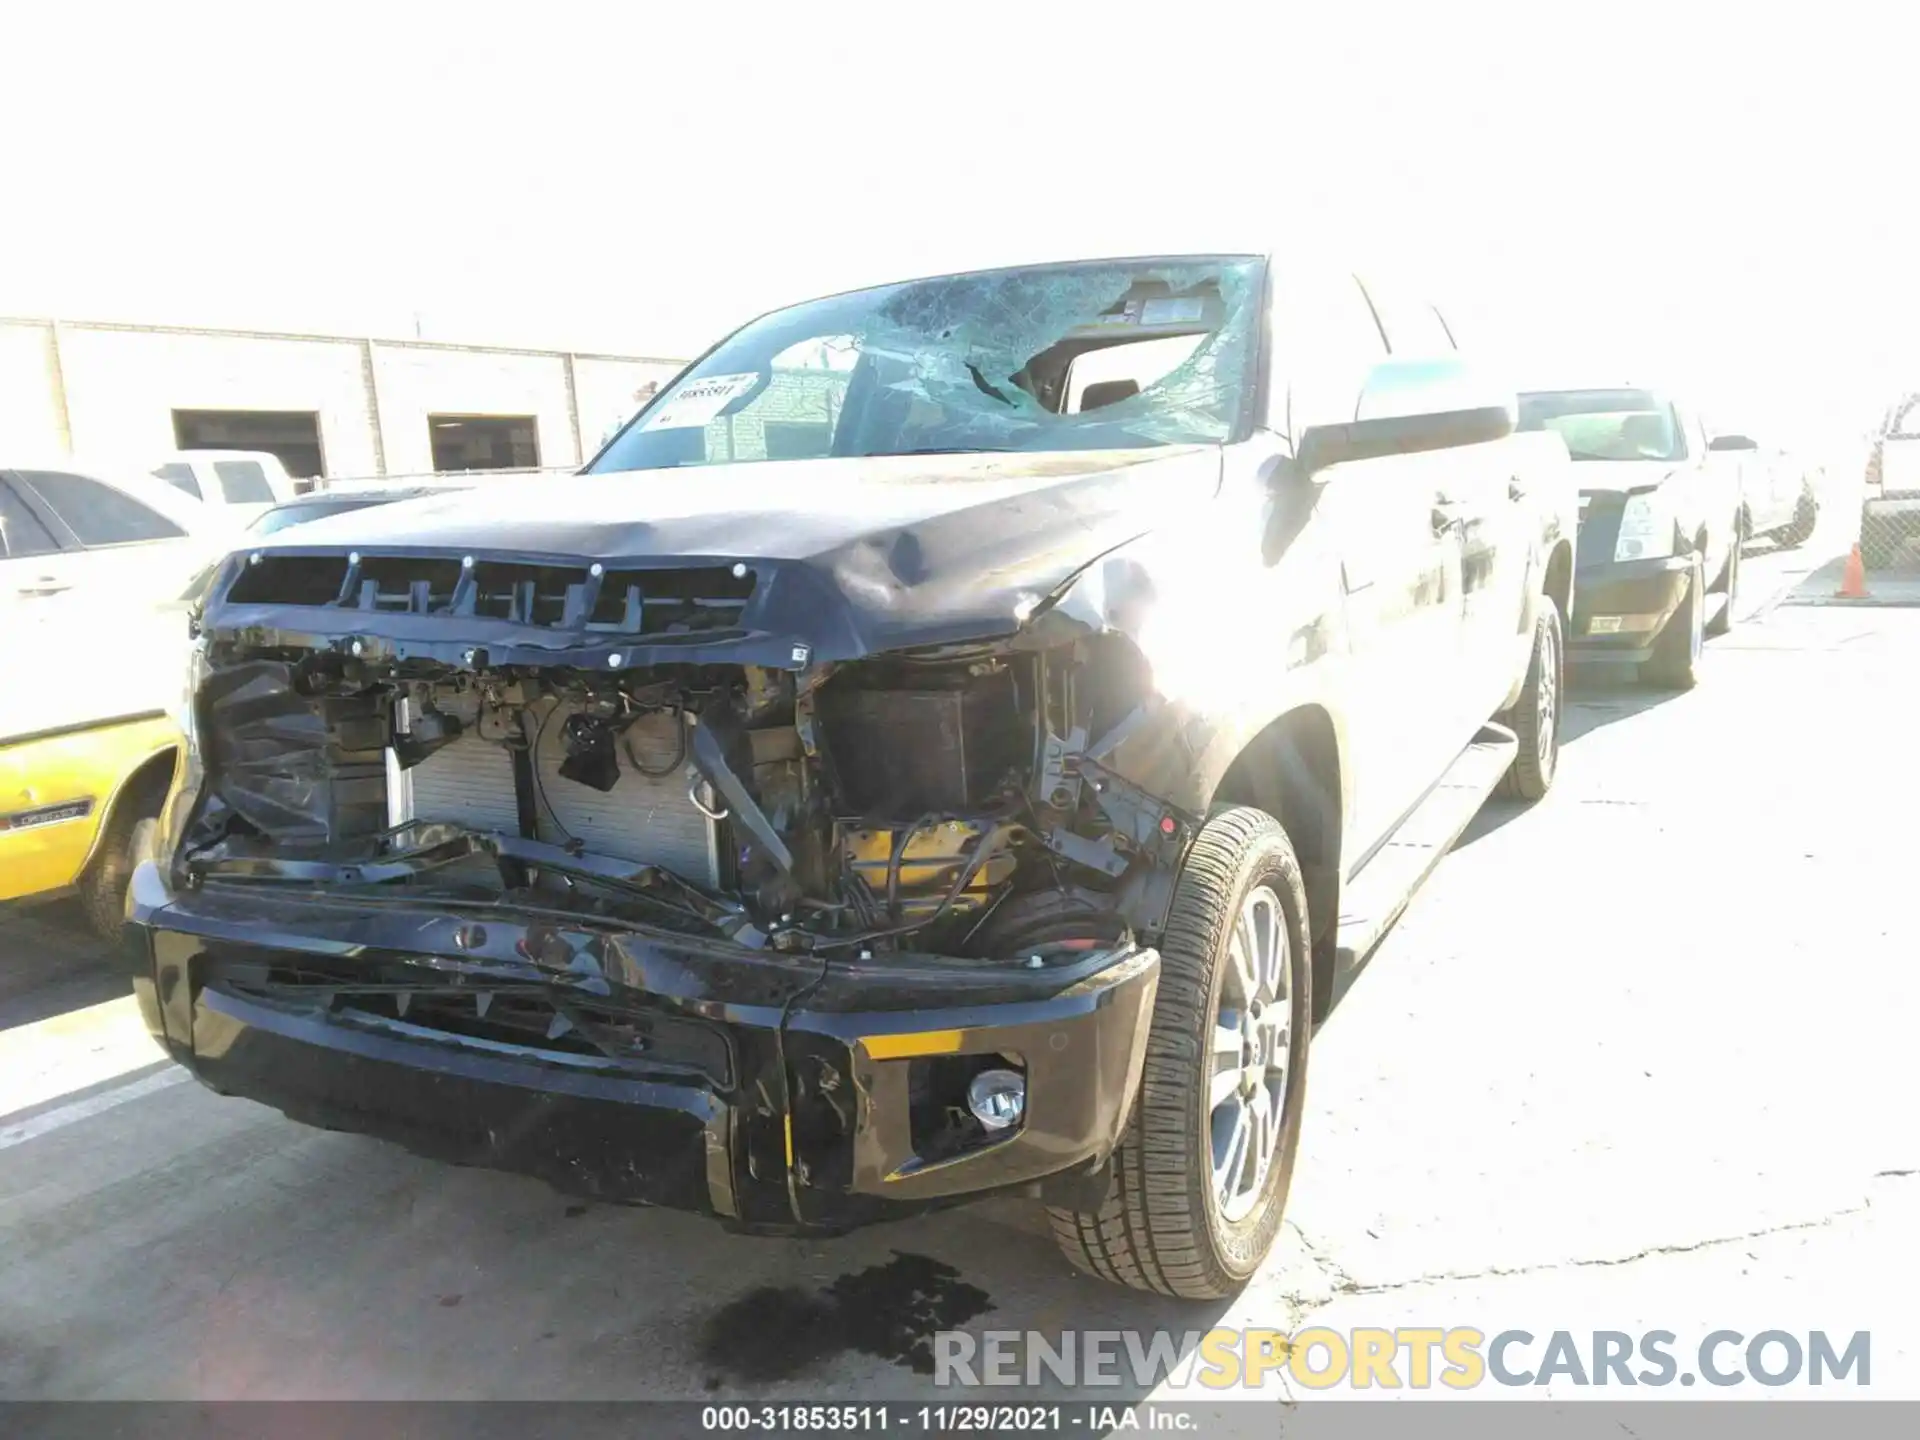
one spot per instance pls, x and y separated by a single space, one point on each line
997 1098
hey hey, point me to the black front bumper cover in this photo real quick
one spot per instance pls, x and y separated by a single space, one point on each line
1643 594
775 1092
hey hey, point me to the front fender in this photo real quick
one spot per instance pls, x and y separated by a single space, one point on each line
1226 650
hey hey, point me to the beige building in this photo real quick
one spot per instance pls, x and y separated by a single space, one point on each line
336 406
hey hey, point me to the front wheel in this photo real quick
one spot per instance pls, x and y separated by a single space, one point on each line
1675 662
1535 716
1722 622
128 840
1201 1174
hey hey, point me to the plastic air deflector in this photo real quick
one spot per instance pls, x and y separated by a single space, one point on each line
746 811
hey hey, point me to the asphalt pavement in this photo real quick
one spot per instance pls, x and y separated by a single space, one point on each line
1639 1057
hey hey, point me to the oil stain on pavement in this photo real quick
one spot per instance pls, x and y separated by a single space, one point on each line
891 1311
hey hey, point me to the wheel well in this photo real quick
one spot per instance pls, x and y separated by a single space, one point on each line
150 778
1559 586
1291 770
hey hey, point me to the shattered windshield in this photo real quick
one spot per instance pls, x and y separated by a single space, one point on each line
1112 355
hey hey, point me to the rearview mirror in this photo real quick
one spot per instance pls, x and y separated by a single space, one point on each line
1410 406
1732 442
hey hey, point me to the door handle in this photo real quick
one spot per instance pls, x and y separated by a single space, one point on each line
1515 490
45 585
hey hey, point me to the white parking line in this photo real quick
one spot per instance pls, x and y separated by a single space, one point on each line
50 1120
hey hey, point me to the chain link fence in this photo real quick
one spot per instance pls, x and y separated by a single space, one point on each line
1890 492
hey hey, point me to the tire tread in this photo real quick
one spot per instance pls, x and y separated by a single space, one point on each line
1153 1231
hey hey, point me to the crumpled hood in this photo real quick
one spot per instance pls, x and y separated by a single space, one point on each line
852 555
1615 477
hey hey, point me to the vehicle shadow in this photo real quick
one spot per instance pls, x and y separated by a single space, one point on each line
1597 695
51 963
494 1287
1602 695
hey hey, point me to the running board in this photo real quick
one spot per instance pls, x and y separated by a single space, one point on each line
1376 897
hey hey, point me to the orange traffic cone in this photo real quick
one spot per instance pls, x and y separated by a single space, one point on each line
1853 581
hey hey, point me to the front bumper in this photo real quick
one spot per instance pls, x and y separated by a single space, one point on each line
775 1092
1621 607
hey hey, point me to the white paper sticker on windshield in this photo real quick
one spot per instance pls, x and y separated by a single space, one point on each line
1177 310
699 402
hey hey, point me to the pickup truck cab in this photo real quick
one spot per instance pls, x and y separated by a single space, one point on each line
988 794
246 482
1660 527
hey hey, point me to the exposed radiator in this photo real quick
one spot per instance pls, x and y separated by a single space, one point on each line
649 821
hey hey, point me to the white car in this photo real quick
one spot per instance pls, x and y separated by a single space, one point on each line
77 537
250 482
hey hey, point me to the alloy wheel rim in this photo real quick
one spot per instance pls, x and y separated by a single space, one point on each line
1250 1054
1549 698
1697 636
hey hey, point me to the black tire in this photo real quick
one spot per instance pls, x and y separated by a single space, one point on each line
1722 622
1675 663
128 840
1161 1228
1806 515
1536 723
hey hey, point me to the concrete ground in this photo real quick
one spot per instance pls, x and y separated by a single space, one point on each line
1640 1057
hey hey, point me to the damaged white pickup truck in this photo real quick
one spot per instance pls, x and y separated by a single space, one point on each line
958 738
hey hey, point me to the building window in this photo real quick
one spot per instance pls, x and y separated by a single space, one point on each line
484 442
292 435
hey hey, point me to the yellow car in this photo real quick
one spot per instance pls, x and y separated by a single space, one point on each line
78 808
93 640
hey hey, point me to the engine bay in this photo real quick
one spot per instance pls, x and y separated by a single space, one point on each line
951 802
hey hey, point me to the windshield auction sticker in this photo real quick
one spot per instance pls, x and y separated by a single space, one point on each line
699 402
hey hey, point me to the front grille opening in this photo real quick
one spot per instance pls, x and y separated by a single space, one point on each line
290 580
525 594
406 584
673 601
523 1016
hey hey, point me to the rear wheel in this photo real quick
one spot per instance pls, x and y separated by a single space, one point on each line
1201 1174
1535 716
1675 662
1806 514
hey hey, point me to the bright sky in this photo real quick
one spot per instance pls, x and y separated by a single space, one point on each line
1687 190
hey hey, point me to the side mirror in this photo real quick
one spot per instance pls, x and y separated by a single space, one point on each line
1411 406
1732 442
